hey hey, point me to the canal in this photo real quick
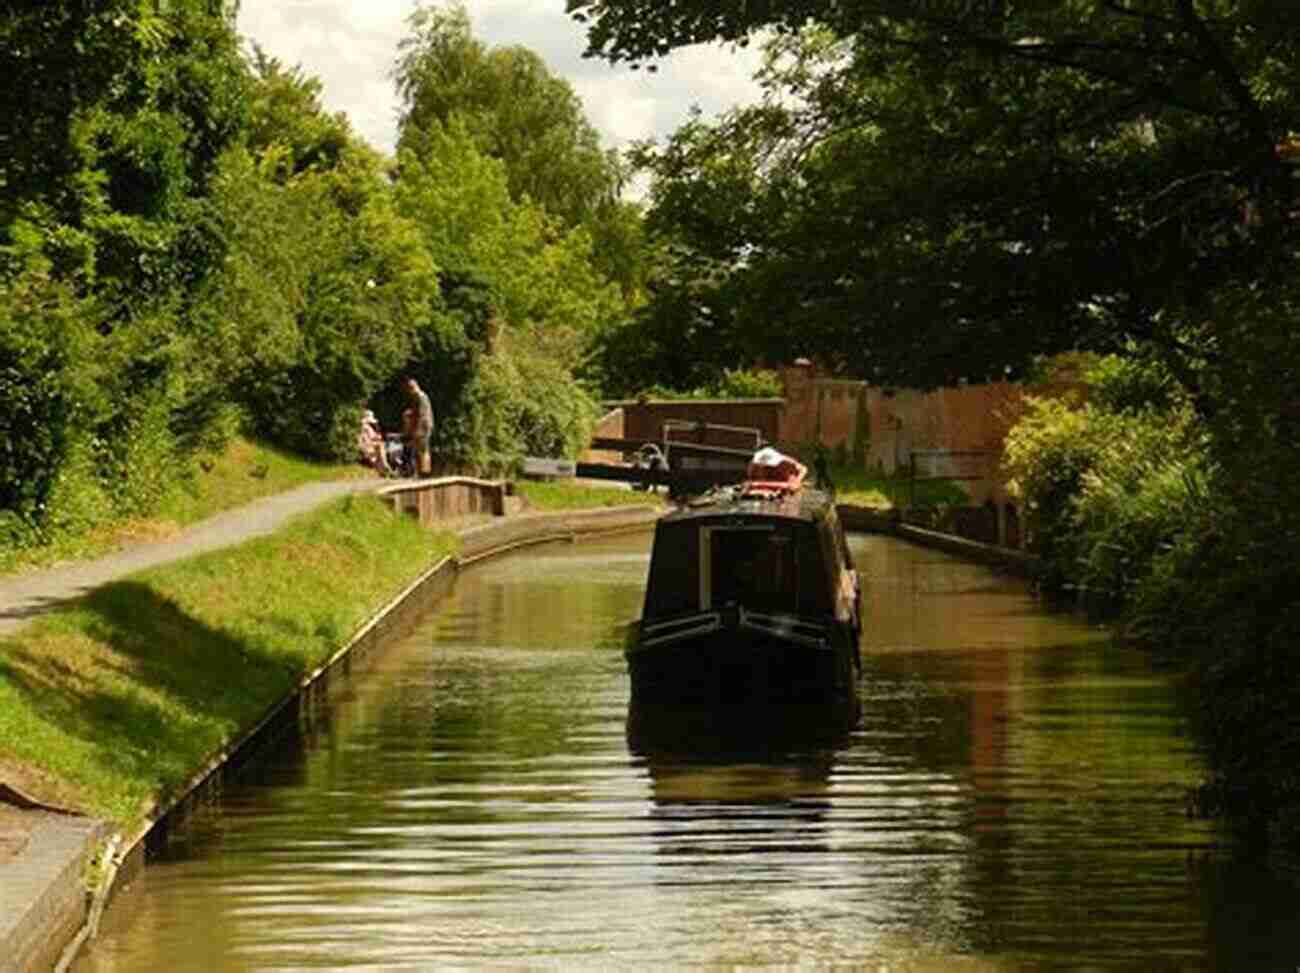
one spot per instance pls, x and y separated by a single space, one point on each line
1011 796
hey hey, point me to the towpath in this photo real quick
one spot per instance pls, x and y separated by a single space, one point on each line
24 596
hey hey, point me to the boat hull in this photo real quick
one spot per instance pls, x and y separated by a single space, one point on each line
733 655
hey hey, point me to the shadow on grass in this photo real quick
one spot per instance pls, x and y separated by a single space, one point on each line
138 714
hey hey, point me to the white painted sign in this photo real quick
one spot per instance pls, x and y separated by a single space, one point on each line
538 466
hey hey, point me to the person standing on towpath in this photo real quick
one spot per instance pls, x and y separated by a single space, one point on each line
423 426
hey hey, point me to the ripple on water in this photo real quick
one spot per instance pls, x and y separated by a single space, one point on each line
1009 797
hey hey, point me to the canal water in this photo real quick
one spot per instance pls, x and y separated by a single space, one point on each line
1010 797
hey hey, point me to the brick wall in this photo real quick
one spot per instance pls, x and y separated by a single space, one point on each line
823 410
964 426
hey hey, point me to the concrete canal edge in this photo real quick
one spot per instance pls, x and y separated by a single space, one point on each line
873 521
46 913
43 900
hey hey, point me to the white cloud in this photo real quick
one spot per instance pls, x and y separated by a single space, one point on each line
350 46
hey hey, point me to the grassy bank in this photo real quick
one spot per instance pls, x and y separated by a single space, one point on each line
568 495
108 704
245 471
862 489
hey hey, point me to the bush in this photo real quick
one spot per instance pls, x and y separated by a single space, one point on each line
43 332
756 383
1105 492
522 405
1144 487
1045 458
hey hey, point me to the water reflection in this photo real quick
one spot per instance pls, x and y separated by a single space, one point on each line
1008 797
756 779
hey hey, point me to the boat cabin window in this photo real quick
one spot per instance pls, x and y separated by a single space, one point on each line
753 566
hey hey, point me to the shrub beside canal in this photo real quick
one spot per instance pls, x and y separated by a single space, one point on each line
1183 529
115 701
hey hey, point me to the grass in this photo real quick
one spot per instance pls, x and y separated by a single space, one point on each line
245 471
856 486
110 703
568 495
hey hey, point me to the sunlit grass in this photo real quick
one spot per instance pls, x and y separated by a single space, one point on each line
862 489
568 495
246 471
118 699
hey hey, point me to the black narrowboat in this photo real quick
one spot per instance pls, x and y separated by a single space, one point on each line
751 594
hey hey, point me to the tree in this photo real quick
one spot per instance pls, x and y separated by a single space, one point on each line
943 192
321 299
285 111
513 108
967 186
113 116
540 277
512 277
115 112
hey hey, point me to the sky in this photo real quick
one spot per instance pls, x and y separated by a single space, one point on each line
350 46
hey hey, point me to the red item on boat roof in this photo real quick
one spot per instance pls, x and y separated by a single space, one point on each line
771 471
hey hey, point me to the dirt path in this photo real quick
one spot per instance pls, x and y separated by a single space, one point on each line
25 596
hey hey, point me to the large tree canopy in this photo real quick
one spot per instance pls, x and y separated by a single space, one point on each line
514 108
945 191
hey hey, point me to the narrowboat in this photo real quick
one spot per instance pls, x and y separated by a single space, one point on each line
751 595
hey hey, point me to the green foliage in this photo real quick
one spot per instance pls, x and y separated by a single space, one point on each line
733 383
1134 504
288 120
512 108
756 383
323 297
188 241
510 278
538 277
1105 493
934 195
677 340
1133 382
1045 457
105 238
521 404
42 334
1185 529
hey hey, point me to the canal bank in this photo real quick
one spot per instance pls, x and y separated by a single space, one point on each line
48 859
47 913
870 520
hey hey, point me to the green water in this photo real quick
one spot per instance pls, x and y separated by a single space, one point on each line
1010 797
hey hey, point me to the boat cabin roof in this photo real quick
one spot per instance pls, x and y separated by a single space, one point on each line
804 505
